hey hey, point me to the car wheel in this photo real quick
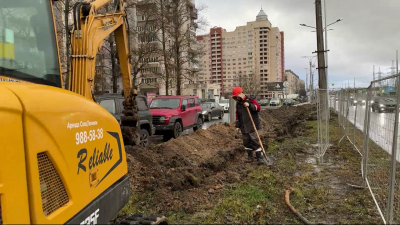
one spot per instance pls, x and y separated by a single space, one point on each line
221 115
199 124
209 117
177 130
144 138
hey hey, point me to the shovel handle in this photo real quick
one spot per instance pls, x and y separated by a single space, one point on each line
255 129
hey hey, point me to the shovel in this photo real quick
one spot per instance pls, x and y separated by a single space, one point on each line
269 163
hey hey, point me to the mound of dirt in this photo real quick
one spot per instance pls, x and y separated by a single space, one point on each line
185 172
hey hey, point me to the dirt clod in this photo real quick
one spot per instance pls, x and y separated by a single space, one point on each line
183 173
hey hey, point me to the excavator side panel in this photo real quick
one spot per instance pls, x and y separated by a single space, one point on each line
14 202
75 157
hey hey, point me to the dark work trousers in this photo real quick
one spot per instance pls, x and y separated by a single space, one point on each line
250 142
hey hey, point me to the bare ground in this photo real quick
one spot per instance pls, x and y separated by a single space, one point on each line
202 177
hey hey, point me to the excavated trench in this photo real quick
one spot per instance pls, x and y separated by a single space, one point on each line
183 173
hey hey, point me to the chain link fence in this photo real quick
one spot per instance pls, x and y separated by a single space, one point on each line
323 121
370 121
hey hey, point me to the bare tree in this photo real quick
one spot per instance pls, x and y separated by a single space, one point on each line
146 49
181 28
63 10
250 84
172 24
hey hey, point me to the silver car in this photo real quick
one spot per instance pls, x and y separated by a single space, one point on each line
225 104
274 102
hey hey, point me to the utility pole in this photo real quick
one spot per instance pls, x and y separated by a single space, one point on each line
322 81
306 86
373 72
326 47
397 61
310 58
311 83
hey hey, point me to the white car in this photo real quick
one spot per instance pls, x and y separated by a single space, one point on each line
225 104
274 102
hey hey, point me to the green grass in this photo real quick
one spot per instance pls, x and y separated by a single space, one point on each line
312 195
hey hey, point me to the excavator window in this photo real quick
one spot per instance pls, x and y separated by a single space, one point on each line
28 49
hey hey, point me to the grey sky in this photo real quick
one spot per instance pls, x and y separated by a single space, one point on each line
368 35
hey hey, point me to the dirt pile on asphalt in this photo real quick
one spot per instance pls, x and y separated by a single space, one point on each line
182 173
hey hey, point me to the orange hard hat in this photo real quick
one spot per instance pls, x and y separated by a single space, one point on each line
236 91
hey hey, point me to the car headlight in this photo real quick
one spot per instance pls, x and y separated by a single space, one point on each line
381 105
355 101
204 112
363 101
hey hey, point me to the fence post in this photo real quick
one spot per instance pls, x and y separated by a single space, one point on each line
355 121
347 110
340 108
318 98
389 215
232 108
327 118
366 134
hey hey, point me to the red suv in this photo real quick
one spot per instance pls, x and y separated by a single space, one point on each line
174 114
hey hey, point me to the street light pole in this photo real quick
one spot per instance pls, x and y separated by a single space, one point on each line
311 76
306 86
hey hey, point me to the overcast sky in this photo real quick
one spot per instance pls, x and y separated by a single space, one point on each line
368 35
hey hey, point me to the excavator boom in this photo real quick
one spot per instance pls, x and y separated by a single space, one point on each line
88 34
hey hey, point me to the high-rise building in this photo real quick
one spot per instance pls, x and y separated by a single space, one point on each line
152 76
252 50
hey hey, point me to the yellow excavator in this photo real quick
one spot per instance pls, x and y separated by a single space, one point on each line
62 159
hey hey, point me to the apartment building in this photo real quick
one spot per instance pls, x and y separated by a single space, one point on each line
255 49
294 82
152 77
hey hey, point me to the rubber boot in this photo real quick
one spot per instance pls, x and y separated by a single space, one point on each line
260 159
249 156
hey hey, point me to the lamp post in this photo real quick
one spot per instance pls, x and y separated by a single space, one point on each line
326 39
311 75
306 86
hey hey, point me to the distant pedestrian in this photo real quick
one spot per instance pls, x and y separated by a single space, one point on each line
244 124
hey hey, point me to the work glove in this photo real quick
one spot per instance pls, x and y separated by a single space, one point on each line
246 104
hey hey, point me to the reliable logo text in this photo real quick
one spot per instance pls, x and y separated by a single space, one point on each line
96 158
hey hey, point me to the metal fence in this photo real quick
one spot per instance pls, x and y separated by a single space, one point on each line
323 122
370 121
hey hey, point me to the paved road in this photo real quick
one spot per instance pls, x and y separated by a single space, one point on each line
381 127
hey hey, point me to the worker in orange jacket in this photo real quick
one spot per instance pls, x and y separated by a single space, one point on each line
244 124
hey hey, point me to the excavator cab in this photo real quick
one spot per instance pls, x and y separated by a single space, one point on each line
63 159
28 47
